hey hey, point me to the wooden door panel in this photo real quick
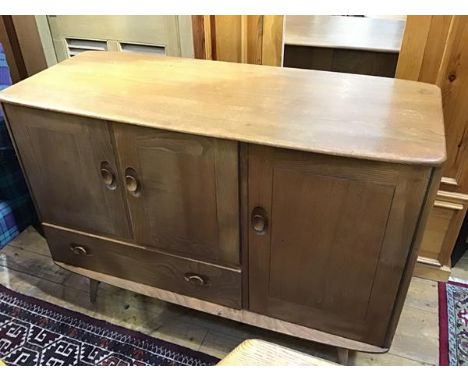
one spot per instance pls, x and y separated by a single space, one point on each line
63 156
331 205
188 204
338 235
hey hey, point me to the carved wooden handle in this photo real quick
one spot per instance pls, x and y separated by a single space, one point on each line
79 250
108 176
195 279
259 220
131 181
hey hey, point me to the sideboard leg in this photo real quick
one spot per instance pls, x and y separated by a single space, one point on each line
343 355
93 285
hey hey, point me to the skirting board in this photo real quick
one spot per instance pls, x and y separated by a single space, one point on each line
243 316
432 272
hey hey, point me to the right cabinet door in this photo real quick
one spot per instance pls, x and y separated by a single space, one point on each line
329 238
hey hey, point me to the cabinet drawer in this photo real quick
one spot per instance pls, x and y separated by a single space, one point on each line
188 277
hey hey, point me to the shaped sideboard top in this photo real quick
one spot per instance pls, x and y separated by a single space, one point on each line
341 114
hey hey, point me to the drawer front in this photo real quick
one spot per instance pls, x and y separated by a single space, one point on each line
188 277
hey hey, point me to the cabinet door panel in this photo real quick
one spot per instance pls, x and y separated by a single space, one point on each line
331 206
187 203
338 233
63 156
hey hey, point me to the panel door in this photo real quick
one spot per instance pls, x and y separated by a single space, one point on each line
182 192
69 162
329 239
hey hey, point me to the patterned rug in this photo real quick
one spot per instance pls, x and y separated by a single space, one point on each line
453 324
35 332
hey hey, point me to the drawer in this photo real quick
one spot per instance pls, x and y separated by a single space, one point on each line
208 282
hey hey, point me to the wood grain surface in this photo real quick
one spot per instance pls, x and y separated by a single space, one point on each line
332 113
188 199
332 223
26 267
221 285
359 33
262 353
239 315
62 157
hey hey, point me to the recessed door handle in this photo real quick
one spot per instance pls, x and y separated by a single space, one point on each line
79 250
195 279
131 181
259 220
108 176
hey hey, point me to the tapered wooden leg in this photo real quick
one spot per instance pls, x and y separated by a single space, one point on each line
93 285
343 355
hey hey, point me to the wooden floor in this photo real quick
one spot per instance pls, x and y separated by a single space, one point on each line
25 266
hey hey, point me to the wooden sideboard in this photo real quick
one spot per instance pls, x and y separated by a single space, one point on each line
360 45
289 199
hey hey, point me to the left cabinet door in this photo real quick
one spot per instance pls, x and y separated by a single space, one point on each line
70 165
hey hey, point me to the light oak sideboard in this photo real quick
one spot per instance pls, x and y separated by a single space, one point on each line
289 199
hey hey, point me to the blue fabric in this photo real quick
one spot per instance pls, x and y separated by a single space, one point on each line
16 208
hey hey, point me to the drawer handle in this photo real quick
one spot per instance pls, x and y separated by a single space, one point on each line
195 279
108 176
259 220
132 182
79 250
